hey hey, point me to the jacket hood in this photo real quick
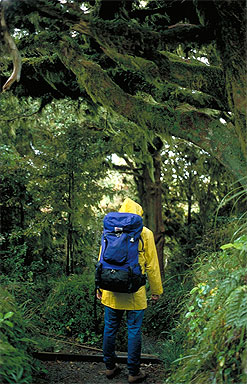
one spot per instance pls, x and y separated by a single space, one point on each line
131 206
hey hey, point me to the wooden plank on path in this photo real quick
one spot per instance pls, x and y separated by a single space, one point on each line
98 357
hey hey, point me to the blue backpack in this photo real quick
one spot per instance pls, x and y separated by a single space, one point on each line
118 269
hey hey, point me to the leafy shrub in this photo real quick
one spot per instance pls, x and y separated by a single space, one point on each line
161 321
215 320
172 347
14 344
162 317
13 260
69 309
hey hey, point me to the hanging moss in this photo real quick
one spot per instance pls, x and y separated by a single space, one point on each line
129 37
194 126
166 66
195 75
147 68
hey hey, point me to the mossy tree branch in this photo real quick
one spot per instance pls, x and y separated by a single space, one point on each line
138 48
131 46
197 127
185 73
129 38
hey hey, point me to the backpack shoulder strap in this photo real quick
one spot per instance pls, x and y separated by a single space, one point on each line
142 242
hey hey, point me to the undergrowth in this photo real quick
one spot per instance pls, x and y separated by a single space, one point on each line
215 320
15 344
69 310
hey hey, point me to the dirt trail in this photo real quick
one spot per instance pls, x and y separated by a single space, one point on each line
68 372
61 372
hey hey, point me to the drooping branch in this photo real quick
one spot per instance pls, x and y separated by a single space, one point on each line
194 126
131 38
16 57
137 48
196 98
185 73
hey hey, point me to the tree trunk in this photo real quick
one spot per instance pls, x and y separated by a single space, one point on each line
68 250
231 42
150 193
189 219
70 256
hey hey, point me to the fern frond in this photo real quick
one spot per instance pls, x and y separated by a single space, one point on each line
236 308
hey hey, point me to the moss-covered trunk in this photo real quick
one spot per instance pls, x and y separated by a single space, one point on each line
231 42
150 193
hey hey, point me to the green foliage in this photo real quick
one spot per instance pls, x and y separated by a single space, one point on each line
172 347
69 309
161 318
129 38
236 308
15 360
4 317
237 196
216 320
194 184
161 321
50 188
13 261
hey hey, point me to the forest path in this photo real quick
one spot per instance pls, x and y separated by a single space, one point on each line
91 372
60 372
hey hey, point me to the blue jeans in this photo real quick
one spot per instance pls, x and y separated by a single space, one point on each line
112 321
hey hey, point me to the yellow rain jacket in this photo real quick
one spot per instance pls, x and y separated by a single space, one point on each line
149 264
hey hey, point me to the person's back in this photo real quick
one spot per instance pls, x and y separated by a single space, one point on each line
133 303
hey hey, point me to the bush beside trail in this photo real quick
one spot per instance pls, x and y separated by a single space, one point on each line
70 309
15 357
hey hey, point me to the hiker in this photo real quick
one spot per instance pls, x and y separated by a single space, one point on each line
116 303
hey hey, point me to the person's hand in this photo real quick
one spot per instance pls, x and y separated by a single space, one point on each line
99 294
155 298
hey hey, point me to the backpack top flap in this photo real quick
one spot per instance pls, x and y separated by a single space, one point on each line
120 239
123 222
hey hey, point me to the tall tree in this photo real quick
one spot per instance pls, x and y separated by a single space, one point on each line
150 193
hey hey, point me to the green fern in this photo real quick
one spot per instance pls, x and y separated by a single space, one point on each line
236 308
